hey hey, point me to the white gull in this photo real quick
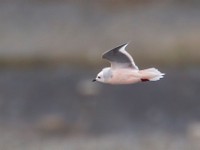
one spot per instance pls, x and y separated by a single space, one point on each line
123 69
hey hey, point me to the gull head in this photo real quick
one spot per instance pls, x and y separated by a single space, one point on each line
103 76
99 77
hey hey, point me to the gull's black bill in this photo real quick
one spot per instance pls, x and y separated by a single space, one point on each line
93 80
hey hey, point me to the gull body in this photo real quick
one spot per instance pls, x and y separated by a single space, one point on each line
123 69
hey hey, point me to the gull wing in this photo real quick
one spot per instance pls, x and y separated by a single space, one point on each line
119 58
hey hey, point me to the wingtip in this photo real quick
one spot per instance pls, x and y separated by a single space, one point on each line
118 47
125 44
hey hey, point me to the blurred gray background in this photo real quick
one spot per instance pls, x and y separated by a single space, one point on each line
51 50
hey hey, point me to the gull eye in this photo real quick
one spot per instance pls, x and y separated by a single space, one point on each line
99 77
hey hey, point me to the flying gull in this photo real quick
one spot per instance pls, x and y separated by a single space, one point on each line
123 69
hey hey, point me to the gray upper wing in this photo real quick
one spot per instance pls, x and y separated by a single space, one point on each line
119 58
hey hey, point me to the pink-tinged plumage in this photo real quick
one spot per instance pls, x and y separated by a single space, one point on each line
123 69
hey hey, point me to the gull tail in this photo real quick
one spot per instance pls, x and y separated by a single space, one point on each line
151 74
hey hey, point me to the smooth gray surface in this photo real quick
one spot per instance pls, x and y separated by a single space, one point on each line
28 95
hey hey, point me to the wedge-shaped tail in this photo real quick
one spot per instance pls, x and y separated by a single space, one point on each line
151 74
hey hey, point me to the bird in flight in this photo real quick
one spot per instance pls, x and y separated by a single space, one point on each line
123 69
